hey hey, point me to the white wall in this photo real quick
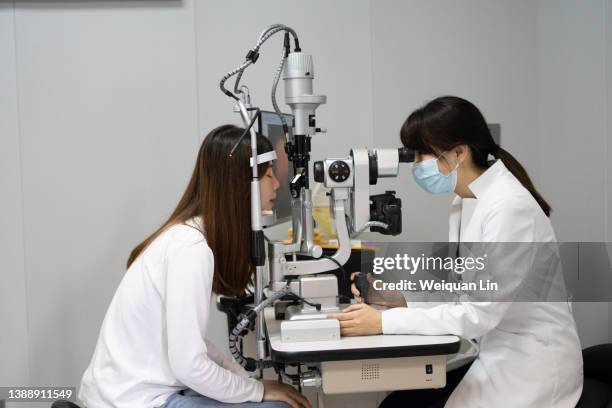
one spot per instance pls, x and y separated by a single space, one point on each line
572 116
103 105
13 306
479 49
107 129
573 139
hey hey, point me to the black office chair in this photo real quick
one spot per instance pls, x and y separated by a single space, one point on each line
597 390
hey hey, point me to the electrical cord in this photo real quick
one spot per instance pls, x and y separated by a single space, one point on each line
236 335
252 57
295 296
286 50
343 274
246 131
245 319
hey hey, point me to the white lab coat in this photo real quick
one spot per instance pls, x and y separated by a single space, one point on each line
530 354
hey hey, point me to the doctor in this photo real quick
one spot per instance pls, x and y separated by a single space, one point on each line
530 354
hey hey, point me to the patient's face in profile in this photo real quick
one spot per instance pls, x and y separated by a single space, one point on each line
268 184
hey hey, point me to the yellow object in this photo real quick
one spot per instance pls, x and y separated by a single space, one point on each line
325 225
321 212
324 231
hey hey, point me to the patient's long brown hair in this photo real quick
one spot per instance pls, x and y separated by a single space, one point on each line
219 192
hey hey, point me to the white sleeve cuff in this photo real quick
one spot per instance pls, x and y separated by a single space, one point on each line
258 392
392 321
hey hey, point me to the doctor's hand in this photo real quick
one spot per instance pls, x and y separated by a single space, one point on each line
278 391
359 320
387 298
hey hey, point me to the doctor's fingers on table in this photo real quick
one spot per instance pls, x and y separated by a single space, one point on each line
351 313
343 316
358 330
359 320
278 391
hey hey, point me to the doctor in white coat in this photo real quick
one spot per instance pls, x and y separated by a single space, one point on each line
530 354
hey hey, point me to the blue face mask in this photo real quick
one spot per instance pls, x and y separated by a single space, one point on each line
428 176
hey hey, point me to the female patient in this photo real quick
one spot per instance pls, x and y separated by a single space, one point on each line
152 351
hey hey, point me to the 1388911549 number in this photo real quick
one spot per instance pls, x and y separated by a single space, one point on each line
36 394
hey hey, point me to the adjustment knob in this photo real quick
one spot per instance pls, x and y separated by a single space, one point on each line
319 172
406 155
339 171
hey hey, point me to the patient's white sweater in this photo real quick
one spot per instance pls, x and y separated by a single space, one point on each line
152 341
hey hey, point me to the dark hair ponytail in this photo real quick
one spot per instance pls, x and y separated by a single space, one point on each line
521 174
449 121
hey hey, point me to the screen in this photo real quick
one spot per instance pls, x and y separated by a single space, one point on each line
271 127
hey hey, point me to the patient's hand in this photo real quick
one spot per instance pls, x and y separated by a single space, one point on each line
359 320
387 298
278 391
